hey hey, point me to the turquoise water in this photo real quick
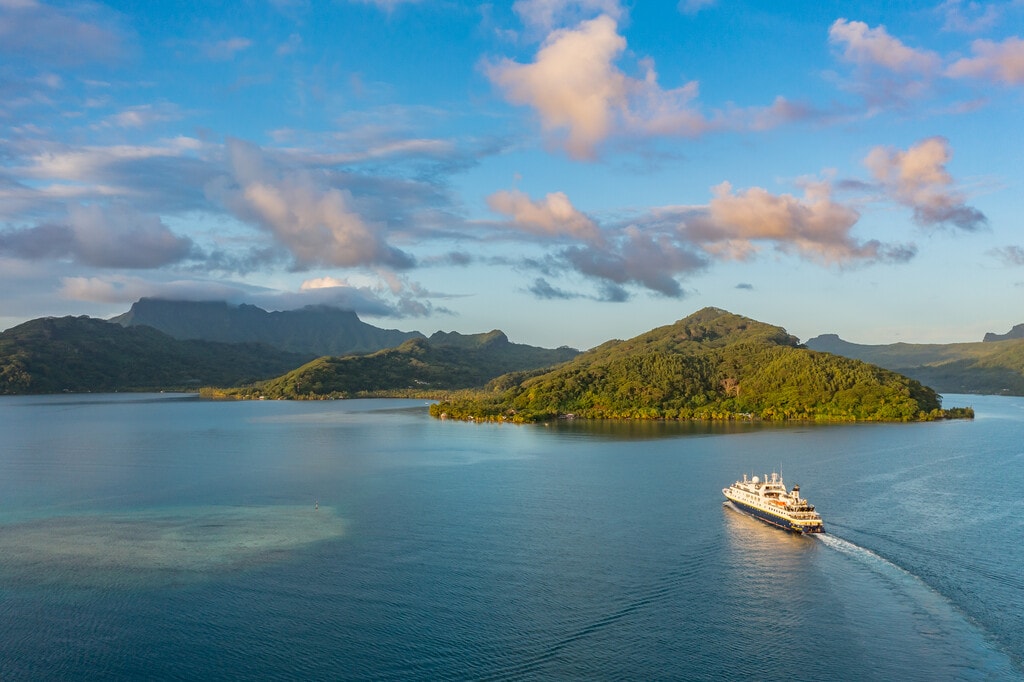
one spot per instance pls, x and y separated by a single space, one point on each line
165 537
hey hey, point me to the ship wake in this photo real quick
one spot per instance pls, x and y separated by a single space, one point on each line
935 615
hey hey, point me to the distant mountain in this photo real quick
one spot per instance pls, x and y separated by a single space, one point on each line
446 361
1016 333
314 330
51 355
991 367
710 365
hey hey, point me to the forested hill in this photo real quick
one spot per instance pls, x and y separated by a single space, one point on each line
51 355
313 330
447 361
710 365
990 366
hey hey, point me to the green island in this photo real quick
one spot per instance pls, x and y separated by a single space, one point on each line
419 367
712 365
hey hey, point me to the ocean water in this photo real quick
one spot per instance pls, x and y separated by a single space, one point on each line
164 537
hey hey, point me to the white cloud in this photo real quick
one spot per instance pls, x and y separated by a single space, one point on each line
114 236
126 289
85 164
970 17
387 5
66 36
143 115
224 50
121 237
323 283
694 6
290 46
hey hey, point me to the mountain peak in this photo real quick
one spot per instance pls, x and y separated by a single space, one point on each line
1016 333
316 329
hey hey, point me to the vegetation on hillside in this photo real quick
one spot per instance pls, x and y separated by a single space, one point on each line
79 354
710 365
423 367
992 367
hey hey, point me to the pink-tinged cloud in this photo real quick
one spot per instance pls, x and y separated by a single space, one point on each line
653 110
918 178
657 250
997 62
554 215
866 46
572 84
582 98
317 224
735 225
548 14
779 112
128 289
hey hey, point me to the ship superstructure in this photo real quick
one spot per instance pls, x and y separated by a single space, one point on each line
767 499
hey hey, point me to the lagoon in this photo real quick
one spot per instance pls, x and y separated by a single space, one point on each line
162 536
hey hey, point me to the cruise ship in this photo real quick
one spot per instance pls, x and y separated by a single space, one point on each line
767 499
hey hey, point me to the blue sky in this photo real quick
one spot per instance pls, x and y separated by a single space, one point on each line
569 172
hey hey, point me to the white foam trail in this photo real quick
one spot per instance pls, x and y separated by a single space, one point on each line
900 578
943 616
866 555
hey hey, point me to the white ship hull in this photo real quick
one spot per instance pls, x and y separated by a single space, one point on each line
769 501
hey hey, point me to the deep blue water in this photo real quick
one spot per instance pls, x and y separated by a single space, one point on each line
163 537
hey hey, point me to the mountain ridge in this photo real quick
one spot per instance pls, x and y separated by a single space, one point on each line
50 355
317 330
418 366
1016 332
85 354
991 367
